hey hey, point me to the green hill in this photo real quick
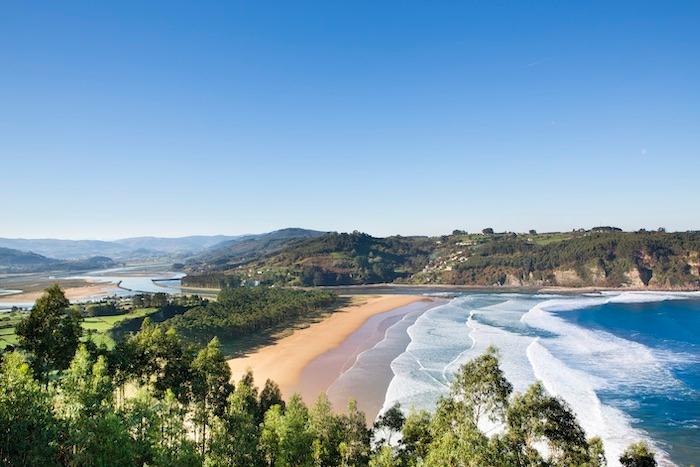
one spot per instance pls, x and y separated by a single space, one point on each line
25 261
600 257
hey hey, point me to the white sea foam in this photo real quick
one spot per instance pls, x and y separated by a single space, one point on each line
588 361
445 337
572 362
437 337
578 388
618 361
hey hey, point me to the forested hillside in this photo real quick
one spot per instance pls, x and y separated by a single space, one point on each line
232 253
601 257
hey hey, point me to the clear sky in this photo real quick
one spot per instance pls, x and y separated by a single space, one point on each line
413 117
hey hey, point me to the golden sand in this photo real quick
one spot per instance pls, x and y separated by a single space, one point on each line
284 360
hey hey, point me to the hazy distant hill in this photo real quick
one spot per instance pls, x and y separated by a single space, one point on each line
219 249
125 249
66 249
601 257
23 261
193 243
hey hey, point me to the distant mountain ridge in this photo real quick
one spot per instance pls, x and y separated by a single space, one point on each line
66 249
123 249
192 243
176 249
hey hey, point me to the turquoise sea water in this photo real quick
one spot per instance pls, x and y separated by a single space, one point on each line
628 364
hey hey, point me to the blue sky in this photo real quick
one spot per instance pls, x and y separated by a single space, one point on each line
174 118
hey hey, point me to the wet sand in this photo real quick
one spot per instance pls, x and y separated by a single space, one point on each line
285 360
360 368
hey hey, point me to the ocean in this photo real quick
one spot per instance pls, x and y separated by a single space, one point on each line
627 363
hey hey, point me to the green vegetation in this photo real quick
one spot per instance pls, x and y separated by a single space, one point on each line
241 312
100 329
638 455
601 257
105 322
8 322
333 259
240 250
51 332
181 409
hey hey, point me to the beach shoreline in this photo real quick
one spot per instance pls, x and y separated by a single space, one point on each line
285 360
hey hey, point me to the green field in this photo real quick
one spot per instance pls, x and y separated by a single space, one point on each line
8 321
96 328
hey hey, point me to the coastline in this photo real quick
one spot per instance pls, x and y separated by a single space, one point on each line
360 368
285 361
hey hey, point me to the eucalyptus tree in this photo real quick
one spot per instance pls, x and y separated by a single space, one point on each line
286 440
28 427
51 332
210 387
236 434
96 435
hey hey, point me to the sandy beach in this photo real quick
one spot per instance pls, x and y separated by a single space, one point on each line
285 360
75 293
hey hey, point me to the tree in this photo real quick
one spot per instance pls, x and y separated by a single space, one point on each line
159 299
415 437
285 439
235 436
480 388
269 396
137 301
28 428
384 457
327 430
86 389
143 425
173 446
51 332
480 392
354 448
157 356
85 402
210 386
102 440
456 440
537 418
270 433
390 422
249 393
638 455
487 231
